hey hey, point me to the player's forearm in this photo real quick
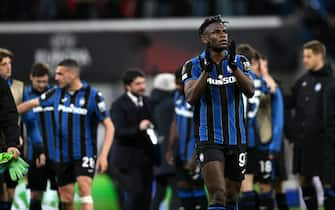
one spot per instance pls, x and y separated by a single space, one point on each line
245 83
194 89
173 135
109 136
26 106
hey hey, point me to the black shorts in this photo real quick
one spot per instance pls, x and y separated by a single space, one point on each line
266 169
67 173
308 157
234 159
193 179
38 177
6 179
252 161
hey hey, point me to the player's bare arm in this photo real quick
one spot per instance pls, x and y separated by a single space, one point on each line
109 135
195 88
246 84
26 106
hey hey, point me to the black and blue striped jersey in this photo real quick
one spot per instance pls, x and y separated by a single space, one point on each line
219 114
44 117
185 126
77 115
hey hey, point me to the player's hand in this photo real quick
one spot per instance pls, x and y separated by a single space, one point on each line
191 164
102 163
15 151
169 157
206 63
232 54
144 124
40 161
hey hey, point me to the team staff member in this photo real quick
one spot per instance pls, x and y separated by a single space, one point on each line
132 152
16 88
78 110
190 183
44 116
214 83
8 128
308 136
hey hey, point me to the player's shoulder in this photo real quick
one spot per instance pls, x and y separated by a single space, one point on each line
242 62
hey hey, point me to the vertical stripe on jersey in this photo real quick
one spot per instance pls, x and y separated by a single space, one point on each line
60 133
88 129
52 138
65 127
217 109
242 121
209 115
42 123
237 113
76 125
71 127
230 91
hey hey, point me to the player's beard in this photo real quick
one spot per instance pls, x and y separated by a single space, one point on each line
215 48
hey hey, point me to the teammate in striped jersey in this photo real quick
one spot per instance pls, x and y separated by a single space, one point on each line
45 151
190 184
214 83
78 108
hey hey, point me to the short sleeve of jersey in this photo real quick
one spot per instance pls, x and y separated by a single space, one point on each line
100 108
243 63
191 70
48 98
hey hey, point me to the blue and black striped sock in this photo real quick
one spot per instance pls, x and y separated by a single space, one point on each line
216 207
266 201
248 201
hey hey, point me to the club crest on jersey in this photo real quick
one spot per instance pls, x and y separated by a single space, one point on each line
82 102
318 87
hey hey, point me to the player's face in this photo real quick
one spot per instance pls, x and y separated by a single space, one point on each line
6 67
137 86
311 60
263 66
255 66
39 83
63 77
216 37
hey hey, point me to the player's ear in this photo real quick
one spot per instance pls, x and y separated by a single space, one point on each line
204 39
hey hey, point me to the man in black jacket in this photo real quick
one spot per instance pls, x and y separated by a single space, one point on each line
132 151
9 128
308 135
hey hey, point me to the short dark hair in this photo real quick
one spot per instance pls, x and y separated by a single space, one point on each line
316 46
69 62
130 75
247 51
4 53
39 70
210 20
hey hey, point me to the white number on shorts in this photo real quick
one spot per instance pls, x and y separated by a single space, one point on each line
88 162
242 158
266 166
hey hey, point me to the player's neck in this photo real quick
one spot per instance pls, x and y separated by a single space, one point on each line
217 57
75 85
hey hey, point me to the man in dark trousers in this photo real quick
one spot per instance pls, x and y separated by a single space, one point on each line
132 151
307 123
8 127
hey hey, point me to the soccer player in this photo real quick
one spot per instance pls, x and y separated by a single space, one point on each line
78 108
306 100
214 84
44 151
249 198
190 184
16 88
